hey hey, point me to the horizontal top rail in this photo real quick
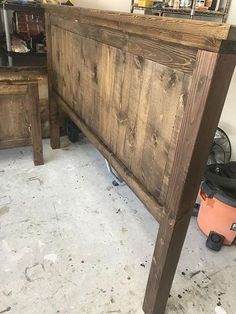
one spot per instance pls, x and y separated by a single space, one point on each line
209 36
22 73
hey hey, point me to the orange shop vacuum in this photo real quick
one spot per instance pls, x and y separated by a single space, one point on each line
217 212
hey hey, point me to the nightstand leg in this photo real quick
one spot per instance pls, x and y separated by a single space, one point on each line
36 132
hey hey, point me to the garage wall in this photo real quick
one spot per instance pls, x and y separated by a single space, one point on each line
116 5
228 118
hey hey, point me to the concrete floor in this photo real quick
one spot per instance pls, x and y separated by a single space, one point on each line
70 242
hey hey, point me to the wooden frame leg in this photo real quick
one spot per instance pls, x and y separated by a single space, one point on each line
206 88
53 106
54 124
36 132
166 255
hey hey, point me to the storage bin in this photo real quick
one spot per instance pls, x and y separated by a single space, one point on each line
145 3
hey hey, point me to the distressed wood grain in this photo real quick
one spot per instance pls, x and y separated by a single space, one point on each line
20 122
198 34
115 96
201 116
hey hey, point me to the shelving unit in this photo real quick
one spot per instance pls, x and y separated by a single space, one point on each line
184 12
22 58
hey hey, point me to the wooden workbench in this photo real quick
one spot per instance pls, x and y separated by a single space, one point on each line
148 93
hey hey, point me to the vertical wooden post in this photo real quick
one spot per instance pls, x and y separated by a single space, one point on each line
54 123
166 255
53 106
208 90
36 132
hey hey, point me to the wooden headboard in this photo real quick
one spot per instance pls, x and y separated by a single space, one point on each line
148 92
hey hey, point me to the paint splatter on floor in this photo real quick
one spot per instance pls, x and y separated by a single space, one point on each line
70 242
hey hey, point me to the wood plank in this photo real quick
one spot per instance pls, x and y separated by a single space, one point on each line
174 139
20 142
36 132
20 88
20 117
130 102
6 89
107 73
155 209
171 55
14 117
169 94
53 107
22 74
206 88
170 239
198 34
195 140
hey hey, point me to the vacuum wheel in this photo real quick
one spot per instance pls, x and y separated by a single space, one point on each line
195 210
215 241
72 131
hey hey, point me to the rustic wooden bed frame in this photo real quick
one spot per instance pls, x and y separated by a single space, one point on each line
148 93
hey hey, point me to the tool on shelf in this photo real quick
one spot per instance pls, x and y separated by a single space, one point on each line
189 8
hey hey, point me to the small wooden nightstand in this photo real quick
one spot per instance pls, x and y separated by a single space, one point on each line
20 123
